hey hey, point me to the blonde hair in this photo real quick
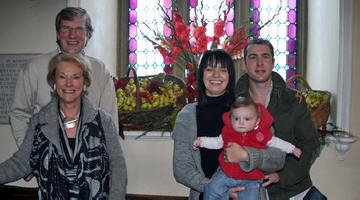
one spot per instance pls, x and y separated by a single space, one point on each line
78 60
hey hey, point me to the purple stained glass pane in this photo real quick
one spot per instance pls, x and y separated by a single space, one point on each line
132 44
289 74
132 16
167 4
292 16
230 15
255 3
167 61
292 4
291 45
169 13
133 4
254 28
132 30
167 30
291 60
255 16
192 3
132 59
229 28
292 31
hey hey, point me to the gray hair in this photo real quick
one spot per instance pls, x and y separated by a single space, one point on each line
69 13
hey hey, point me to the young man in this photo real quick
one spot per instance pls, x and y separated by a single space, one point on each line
292 119
73 31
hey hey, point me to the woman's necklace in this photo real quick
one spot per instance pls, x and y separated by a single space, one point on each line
69 122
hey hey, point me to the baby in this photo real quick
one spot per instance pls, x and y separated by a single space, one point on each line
248 124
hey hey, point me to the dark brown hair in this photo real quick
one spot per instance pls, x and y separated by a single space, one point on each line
244 102
212 58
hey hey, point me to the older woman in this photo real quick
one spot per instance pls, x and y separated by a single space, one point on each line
71 145
216 81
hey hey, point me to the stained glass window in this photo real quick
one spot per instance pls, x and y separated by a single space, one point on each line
211 10
142 55
281 31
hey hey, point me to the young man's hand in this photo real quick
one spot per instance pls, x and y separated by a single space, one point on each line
271 178
234 153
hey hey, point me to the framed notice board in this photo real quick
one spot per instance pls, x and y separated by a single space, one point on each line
10 65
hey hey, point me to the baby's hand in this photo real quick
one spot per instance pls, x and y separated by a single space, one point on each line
297 152
196 144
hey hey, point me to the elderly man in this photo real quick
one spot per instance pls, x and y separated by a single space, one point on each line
73 31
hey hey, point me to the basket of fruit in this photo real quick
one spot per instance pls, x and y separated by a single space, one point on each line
318 101
149 102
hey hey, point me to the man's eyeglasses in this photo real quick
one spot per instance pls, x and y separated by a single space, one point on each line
69 29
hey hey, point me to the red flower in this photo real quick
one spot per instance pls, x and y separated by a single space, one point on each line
186 43
190 79
190 67
176 51
168 69
171 59
219 28
237 43
201 39
178 18
182 31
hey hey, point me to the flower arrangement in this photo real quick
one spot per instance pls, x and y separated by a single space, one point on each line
186 43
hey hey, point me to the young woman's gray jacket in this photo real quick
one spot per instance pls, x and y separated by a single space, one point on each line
187 162
18 166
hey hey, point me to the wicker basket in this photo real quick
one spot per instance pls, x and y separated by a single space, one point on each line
321 114
150 119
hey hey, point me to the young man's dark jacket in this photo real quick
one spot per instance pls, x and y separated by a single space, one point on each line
292 122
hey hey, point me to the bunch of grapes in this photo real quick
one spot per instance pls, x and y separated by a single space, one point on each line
153 94
314 99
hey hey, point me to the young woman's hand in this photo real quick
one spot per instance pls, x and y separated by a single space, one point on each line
196 144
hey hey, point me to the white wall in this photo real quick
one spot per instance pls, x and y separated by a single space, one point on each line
149 164
28 26
337 179
103 44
